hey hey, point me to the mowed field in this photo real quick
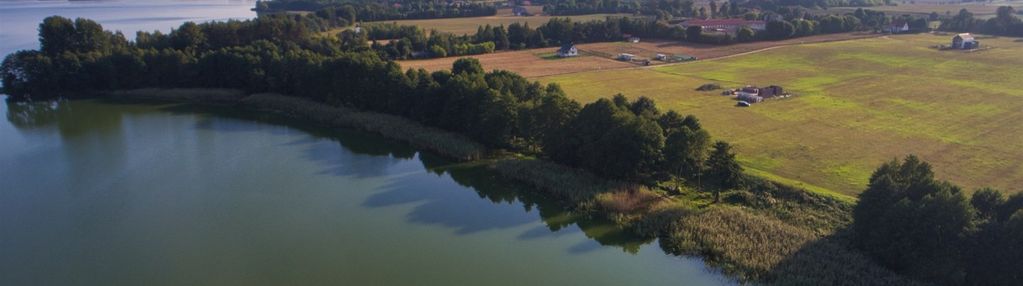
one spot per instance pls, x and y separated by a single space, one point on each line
858 104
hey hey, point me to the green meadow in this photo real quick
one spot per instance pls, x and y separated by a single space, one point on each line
857 104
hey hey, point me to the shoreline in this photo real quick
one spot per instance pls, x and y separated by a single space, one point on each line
765 236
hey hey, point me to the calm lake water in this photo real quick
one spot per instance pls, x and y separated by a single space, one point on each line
97 193
19 19
101 193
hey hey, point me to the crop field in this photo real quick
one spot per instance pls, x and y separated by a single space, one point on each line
528 63
857 104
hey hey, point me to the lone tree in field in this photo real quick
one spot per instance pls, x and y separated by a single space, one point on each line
723 169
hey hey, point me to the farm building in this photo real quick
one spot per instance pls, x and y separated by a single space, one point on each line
626 57
765 92
771 91
729 26
568 50
897 26
964 41
749 97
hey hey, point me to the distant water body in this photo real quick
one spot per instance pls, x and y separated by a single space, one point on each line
19 20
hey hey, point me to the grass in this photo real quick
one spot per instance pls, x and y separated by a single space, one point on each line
858 104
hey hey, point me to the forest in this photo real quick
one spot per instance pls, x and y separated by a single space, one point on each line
1005 23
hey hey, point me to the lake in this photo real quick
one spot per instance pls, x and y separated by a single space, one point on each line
107 193
19 19
99 193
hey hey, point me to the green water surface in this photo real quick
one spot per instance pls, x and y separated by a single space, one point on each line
100 193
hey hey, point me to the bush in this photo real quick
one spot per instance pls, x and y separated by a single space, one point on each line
709 87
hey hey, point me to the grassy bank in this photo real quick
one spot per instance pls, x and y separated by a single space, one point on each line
770 234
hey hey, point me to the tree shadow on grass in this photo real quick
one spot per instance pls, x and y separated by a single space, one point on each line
832 261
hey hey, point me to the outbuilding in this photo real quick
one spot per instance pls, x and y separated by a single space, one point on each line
964 41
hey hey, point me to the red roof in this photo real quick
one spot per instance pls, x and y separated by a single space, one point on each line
722 22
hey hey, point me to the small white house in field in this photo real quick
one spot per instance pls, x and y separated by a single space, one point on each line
626 57
568 50
897 26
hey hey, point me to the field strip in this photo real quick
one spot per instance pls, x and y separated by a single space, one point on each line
714 58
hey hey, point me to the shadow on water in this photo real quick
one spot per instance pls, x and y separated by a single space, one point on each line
66 118
435 204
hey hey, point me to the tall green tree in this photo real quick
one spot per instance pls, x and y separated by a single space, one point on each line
56 35
912 223
723 169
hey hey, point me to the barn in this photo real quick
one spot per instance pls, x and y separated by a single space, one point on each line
964 41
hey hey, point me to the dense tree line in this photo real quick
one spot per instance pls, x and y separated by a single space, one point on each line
1005 23
796 22
351 11
582 7
405 42
616 138
931 230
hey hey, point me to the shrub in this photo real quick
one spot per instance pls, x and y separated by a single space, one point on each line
709 87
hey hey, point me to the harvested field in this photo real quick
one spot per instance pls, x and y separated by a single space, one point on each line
858 104
528 63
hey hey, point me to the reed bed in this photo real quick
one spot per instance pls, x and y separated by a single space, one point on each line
767 250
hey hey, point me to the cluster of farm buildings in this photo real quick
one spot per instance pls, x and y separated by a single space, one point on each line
751 94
